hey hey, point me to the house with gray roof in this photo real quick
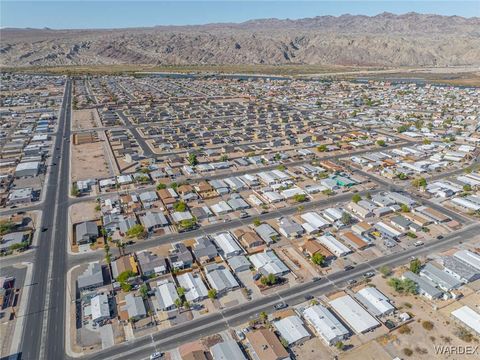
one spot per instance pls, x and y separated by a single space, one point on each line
239 263
424 286
204 249
151 264
126 224
86 232
460 270
91 278
227 350
267 233
153 221
444 281
10 239
135 307
220 278
289 228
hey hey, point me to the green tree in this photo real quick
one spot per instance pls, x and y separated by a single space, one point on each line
467 187
143 291
263 316
136 231
300 197
322 148
212 294
356 198
180 206
6 227
346 218
340 345
74 191
161 186
404 208
173 185
381 142
257 222
402 129
178 303
402 176
405 286
415 266
224 157
126 287
427 141
192 159
385 270
318 259
419 182
181 291
269 280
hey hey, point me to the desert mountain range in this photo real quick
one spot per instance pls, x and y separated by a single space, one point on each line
383 40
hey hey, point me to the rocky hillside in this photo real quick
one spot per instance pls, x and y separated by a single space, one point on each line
384 40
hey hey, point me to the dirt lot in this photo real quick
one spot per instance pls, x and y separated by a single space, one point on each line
89 161
85 119
83 211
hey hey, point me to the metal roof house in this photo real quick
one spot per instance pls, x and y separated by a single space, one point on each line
326 325
468 317
469 258
135 307
227 350
86 232
267 262
374 301
266 232
100 308
166 294
220 278
443 280
356 317
291 328
334 245
91 278
424 286
227 245
460 270
195 289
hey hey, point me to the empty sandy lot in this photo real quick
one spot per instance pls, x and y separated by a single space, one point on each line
88 161
85 119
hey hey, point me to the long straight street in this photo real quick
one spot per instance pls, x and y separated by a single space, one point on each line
44 330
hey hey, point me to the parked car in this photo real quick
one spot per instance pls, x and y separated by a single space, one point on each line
418 243
369 274
316 278
351 281
440 237
349 267
156 355
280 306
257 276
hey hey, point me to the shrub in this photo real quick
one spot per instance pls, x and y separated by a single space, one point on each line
404 329
407 352
427 325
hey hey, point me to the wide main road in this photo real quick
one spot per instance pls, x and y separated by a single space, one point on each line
141 348
44 329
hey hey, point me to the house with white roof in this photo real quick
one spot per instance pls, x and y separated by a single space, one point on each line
227 245
355 316
166 295
291 329
100 308
335 246
267 262
195 289
326 325
374 301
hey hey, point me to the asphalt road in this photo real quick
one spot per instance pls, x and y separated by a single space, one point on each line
214 228
44 330
141 348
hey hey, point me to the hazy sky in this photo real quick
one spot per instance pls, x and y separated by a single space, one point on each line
116 14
